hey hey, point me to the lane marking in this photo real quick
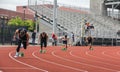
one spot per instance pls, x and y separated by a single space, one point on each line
93 60
109 56
15 68
83 63
8 46
57 63
118 53
25 63
98 57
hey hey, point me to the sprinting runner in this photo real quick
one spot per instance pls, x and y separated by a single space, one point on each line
23 38
65 42
89 41
43 38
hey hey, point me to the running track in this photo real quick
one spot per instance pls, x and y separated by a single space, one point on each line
75 59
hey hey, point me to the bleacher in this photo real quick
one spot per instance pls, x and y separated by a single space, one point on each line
71 20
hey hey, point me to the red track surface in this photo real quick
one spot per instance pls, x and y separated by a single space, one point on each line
75 59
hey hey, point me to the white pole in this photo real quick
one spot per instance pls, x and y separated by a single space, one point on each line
81 28
36 23
39 25
112 10
28 3
54 16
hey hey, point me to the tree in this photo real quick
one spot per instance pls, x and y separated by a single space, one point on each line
30 24
17 21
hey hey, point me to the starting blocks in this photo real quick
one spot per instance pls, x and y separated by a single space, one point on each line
64 49
91 49
21 54
42 51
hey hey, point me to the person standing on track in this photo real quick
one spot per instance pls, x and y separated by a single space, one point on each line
23 38
54 40
43 38
33 37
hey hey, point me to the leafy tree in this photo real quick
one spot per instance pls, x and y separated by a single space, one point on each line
30 24
17 21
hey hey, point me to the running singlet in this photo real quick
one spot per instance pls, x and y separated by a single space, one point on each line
89 39
23 36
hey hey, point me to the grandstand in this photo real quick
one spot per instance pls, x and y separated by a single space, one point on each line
72 19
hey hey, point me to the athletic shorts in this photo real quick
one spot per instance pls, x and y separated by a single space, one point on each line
64 42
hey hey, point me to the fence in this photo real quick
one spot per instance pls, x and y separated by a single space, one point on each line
6 34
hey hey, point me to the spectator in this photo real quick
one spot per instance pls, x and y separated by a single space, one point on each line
91 26
71 38
33 37
54 40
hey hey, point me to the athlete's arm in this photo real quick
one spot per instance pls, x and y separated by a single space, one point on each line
15 34
28 37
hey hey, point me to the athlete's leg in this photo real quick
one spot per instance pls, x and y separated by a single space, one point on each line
45 44
66 44
18 48
19 45
24 44
91 46
41 45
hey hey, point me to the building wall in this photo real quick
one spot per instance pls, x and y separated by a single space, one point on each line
27 10
11 14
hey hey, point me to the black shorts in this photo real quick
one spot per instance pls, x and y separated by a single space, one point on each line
64 42
19 45
43 43
90 42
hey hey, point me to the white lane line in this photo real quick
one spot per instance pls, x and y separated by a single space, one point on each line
93 60
7 46
98 57
15 68
57 63
109 56
84 63
118 53
26 63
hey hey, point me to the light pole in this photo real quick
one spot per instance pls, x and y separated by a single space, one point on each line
54 16
24 7
36 19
